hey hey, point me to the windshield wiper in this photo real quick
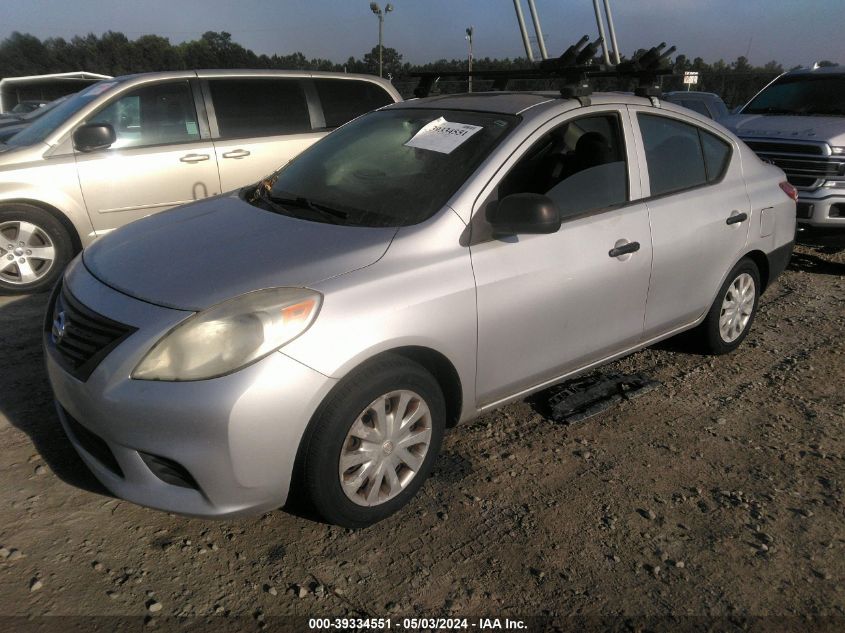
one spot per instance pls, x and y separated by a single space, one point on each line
304 203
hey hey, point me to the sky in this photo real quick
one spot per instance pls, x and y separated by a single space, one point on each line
791 32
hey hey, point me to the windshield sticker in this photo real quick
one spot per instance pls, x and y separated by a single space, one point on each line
100 88
442 136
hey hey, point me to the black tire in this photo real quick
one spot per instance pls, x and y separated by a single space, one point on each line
324 441
54 231
708 333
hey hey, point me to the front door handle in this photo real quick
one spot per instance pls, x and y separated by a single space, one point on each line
736 217
194 158
624 249
236 153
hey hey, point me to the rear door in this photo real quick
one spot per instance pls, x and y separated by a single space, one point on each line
699 211
163 156
258 125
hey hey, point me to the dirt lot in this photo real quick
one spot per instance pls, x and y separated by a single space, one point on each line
719 494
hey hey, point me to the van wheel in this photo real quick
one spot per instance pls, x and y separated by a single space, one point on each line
374 442
732 313
34 249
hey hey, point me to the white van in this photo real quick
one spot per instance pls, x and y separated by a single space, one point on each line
127 147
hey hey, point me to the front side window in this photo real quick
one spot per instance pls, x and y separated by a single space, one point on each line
681 155
345 99
580 165
248 108
393 167
160 114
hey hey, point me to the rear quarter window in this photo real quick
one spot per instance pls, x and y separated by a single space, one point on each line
346 99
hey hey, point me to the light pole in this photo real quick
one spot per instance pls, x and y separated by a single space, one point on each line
469 39
380 14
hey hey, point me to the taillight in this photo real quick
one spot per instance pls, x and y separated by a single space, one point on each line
789 190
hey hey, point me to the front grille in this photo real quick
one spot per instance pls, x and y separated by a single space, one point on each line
81 337
806 165
93 445
804 210
785 148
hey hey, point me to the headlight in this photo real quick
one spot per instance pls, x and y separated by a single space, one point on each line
231 335
837 151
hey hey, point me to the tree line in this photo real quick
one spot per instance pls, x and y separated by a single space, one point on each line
112 53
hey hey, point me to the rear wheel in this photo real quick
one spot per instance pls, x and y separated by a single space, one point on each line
374 443
732 313
34 249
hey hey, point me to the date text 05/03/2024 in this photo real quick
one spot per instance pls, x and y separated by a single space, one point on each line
415 624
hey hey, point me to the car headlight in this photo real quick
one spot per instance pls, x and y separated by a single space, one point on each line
837 151
231 335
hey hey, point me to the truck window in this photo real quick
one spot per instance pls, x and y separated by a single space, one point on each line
801 94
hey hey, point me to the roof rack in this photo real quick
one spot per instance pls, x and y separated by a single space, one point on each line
573 69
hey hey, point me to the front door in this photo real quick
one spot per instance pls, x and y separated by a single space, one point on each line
549 304
158 161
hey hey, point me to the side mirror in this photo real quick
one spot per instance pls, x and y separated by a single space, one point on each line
94 136
524 213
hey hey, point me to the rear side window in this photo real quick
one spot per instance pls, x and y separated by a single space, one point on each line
674 154
259 107
345 99
154 115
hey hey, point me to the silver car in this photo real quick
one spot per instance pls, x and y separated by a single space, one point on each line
318 331
128 147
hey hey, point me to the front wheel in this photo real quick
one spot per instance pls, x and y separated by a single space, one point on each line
34 249
374 442
732 313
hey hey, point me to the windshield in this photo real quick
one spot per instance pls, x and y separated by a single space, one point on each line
47 124
388 168
801 95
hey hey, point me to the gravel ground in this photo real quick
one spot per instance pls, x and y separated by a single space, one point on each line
719 494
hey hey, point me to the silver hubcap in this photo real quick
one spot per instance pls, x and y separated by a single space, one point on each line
26 252
385 448
736 308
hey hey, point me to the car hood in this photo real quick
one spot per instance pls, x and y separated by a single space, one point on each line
195 256
827 129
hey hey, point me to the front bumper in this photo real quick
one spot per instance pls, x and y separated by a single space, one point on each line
235 437
821 219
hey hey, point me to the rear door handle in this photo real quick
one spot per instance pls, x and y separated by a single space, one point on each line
194 158
236 153
624 249
736 217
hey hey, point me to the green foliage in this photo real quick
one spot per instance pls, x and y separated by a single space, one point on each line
113 53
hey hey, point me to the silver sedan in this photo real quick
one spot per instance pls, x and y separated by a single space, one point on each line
318 331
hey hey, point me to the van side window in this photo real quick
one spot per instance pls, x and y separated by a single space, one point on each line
680 155
580 165
154 115
249 107
345 99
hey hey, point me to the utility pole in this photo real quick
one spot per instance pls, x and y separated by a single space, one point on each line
380 15
469 39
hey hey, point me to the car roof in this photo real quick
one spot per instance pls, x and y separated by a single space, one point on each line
513 102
